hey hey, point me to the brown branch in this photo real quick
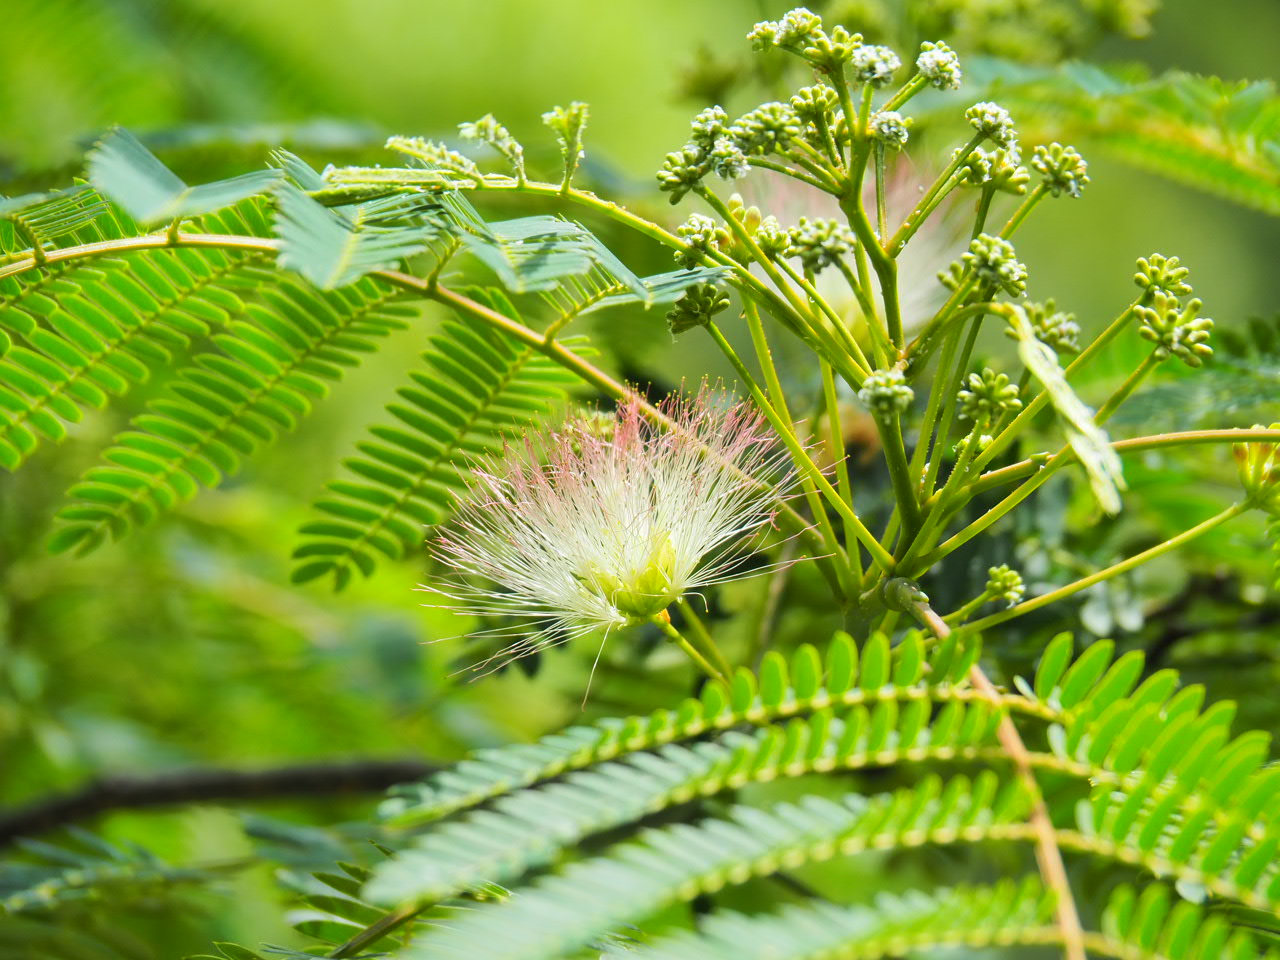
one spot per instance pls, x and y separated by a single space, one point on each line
139 791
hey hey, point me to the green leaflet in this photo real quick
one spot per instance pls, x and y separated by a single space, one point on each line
127 172
1087 439
334 247
475 389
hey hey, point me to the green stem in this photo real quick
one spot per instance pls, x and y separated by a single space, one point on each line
675 636
835 445
1124 566
837 322
881 556
895 455
764 355
1024 210
1126 389
949 401
703 636
882 227
826 186
1016 471
917 216
962 613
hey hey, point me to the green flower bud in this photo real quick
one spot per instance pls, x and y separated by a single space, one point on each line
795 30
819 243
1181 333
993 122
889 128
980 443
994 260
1000 169
886 393
939 65
815 103
728 161
1058 330
701 235
682 171
1158 273
987 395
771 238
831 52
766 129
874 65
698 305
1063 169
709 126
1005 584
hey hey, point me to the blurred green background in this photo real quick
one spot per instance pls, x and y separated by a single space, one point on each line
186 645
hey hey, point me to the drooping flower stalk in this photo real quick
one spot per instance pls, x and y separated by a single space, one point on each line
607 522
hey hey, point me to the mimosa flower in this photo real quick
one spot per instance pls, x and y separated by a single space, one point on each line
595 529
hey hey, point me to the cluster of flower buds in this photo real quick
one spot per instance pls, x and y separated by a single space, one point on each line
801 32
885 392
488 130
1005 583
1059 330
819 243
992 121
874 65
1001 169
939 65
988 394
1176 330
1063 169
1158 273
723 148
889 128
993 260
701 235
696 307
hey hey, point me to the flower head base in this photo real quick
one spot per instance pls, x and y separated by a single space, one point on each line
939 65
766 129
1259 465
594 529
1000 169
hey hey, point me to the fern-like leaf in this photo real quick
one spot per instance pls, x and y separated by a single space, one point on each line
87 341
334 247
475 389
228 405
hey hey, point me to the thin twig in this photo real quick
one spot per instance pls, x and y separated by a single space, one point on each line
139 791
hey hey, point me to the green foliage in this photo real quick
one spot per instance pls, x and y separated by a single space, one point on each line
123 169
1214 135
475 389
